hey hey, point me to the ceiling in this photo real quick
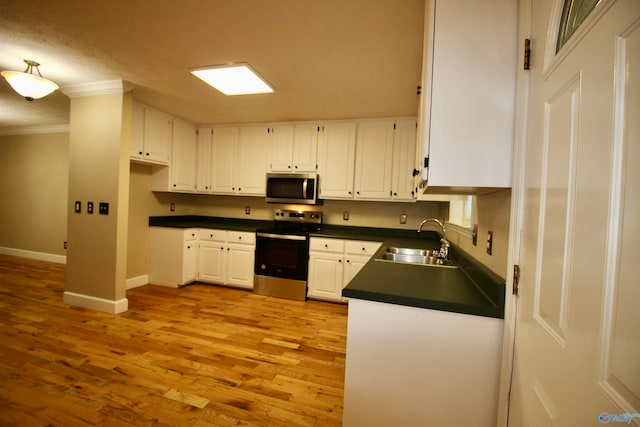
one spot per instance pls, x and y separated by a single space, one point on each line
327 59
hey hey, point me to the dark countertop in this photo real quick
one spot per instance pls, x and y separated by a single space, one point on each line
470 289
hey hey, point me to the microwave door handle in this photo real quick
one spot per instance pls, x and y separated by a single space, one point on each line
304 188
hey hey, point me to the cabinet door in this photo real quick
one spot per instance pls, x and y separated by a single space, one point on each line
183 157
470 131
203 165
305 148
212 263
137 132
374 158
223 154
157 136
336 159
404 154
240 259
353 264
280 148
189 261
251 160
325 276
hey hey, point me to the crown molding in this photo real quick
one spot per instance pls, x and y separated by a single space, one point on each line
106 87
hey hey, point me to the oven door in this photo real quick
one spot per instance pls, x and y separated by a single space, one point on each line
282 255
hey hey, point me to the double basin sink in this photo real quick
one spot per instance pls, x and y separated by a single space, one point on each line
427 257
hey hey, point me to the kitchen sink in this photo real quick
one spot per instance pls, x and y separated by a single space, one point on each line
427 257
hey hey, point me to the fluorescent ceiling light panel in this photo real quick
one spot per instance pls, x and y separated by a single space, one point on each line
234 79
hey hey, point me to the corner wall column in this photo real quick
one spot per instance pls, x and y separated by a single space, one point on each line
99 139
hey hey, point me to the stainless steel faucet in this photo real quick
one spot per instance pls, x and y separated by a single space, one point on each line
437 221
444 243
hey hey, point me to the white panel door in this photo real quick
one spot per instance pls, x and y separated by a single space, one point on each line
251 167
374 157
223 159
336 160
577 343
305 147
240 260
280 148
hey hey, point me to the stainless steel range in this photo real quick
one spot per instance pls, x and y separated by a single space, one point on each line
282 254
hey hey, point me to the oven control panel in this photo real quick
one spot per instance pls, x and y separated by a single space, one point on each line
306 217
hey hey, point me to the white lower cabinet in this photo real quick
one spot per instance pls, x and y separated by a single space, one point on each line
173 255
227 257
178 256
409 366
333 263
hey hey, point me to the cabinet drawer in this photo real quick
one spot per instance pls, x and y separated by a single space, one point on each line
358 247
190 234
210 234
241 237
326 245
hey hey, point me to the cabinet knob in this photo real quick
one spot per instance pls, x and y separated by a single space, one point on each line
296 166
357 192
326 246
239 237
147 154
140 152
350 192
289 166
347 260
364 249
340 260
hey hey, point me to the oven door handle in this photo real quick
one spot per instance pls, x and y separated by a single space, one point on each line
281 236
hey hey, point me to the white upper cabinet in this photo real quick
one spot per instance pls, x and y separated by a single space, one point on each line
385 160
251 162
293 148
374 160
336 159
183 157
151 135
280 148
468 93
224 142
403 171
305 147
203 164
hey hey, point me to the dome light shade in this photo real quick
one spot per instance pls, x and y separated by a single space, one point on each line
29 85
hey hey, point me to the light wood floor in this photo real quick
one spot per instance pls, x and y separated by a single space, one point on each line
196 356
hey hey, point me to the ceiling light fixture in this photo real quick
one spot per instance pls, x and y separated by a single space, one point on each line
233 79
28 84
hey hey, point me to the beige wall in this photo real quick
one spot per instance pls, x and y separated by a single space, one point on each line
34 173
493 212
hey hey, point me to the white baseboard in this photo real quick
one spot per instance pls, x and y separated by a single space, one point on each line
41 256
134 282
95 303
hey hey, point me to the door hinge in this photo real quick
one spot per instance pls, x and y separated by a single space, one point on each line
527 54
516 279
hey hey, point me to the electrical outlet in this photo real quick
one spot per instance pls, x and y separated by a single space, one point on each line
403 218
64 244
490 241
89 207
172 207
345 216
78 207
103 208
247 210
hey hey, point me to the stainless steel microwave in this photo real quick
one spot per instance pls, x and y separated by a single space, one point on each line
299 188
